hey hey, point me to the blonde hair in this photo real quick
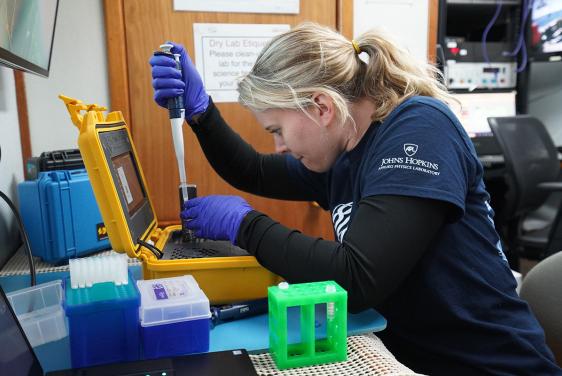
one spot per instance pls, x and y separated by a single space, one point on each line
312 58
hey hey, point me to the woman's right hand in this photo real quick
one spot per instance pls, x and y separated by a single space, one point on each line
168 82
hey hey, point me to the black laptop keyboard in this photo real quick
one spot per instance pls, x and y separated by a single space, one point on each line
177 249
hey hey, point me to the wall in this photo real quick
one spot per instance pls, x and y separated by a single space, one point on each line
78 70
405 21
11 166
545 97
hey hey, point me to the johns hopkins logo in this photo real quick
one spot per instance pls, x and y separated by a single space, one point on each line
410 149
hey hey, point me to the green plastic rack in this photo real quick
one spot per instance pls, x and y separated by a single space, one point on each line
310 350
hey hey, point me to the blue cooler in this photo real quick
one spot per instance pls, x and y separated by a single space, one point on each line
61 216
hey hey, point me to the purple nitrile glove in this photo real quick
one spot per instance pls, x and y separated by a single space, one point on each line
215 217
169 83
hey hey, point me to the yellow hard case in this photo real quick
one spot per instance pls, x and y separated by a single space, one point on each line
223 279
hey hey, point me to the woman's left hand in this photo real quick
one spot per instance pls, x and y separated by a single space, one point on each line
215 217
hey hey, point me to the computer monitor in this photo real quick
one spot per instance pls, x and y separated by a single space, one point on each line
474 111
26 35
476 108
545 34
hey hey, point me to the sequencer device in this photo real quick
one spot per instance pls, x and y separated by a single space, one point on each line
224 272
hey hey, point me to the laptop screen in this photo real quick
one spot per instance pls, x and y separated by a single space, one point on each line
16 357
478 107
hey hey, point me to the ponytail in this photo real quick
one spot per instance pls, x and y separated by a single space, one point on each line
391 74
312 58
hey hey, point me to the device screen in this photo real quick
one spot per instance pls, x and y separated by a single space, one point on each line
478 107
129 181
546 26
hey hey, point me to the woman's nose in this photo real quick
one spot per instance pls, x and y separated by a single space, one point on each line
280 146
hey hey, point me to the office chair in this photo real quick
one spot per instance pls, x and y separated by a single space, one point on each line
532 172
542 289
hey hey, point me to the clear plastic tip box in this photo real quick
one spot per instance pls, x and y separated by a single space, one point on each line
175 317
40 312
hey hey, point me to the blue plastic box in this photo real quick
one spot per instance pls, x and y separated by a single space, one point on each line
175 317
103 323
61 216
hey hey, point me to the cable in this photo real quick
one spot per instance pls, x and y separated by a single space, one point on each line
158 253
22 232
521 45
524 60
23 235
526 10
487 30
520 40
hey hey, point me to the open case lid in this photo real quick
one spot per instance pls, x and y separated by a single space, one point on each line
117 179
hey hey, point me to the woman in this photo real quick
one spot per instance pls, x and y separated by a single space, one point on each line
374 143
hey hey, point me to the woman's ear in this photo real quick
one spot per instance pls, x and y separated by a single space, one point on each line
324 108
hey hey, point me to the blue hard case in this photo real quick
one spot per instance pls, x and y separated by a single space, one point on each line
61 216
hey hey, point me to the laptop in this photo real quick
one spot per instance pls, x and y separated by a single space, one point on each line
474 114
17 358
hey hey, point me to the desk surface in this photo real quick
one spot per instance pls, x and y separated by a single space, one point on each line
251 333
255 330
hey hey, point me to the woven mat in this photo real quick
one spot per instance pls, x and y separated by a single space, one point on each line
366 355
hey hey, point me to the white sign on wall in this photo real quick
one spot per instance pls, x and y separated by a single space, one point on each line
405 21
239 6
224 53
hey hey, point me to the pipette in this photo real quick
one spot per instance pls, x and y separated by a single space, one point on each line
176 113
